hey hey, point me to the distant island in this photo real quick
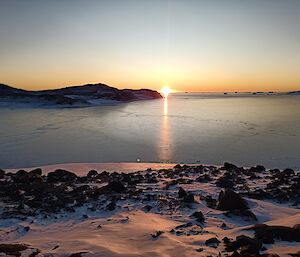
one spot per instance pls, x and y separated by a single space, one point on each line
294 93
74 96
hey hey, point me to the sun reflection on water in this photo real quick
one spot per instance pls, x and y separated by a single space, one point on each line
164 143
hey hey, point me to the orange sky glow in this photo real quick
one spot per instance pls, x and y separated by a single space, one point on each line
190 46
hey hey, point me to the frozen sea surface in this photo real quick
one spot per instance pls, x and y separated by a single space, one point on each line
205 128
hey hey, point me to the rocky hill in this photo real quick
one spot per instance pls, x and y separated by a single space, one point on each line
75 96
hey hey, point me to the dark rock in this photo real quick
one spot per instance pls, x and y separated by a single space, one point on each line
37 171
2 173
199 216
147 208
258 194
60 175
249 245
285 174
13 249
187 229
55 247
177 167
274 171
115 186
210 201
229 166
79 254
226 240
258 168
268 233
157 234
263 248
235 254
182 193
104 176
226 181
223 225
204 178
213 242
229 200
295 254
170 183
92 173
186 225
189 198
21 177
288 172
26 229
111 206
21 173
243 213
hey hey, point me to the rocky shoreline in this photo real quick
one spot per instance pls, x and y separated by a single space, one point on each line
202 196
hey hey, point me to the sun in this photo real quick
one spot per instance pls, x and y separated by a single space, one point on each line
165 91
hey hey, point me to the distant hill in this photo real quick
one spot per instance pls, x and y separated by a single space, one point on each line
74 96
7 90
294 93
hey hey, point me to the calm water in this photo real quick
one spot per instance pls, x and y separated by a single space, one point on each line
246 130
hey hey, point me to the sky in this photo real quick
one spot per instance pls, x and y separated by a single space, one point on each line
188 45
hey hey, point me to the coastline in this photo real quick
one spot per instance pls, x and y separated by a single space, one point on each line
81 169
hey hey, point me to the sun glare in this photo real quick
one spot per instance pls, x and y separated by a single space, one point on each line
165 91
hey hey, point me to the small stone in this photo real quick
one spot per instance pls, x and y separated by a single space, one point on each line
157 234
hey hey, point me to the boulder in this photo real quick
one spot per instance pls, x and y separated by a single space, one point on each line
13 249
189 198
247 214
115 186
210 202
204 178
268 233
257 168
213 242
61 175
226 181
147 208
92 173
2 173
235 254
229 201
181 192
37 171
111 206
248 244
21 177
104 176
229 166
177 167
199 216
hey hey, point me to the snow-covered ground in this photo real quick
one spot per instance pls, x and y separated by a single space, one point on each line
130 230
